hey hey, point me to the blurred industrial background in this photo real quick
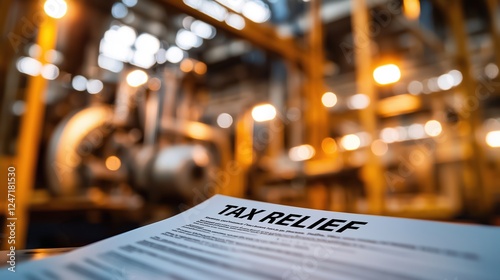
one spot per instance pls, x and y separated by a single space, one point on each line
116 114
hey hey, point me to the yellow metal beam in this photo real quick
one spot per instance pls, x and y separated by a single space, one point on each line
494 10
316 114
480 200
373 172
30 132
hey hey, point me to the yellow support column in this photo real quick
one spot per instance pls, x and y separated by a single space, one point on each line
477 190
30 132
316 113
373 173
493 9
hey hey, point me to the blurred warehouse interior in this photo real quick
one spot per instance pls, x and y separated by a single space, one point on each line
116 113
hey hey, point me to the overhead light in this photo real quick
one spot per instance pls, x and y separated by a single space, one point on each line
55 8
329 99
350 142
416 131
208 7
402 133
130 3
119 10
301 153
387 74
389 135
493 138
224 120
50 71
234 5
79 83
433 128
137 78
125 35
202 29
147 43
29 66
264 112
358 101
94 86
445 82
161 56
491 70
256 11
186 39
109 64
457 77
143 59
235 21
174 54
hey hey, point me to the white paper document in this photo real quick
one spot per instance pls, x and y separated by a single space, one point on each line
230 238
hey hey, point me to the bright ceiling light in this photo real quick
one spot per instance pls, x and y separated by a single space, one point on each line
202 29
416 131
329 99
389 135
94 86
186 39
235 21
350 142
256 11
445 82
493 138
147 43
174 54
264 112
301 153
137 78
457 77
491 70
358 101
387 74
50 71
433 128
55 8
119 10
79 83
109 64
143 59
224 120
234 5
125 35
130 3
29 66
